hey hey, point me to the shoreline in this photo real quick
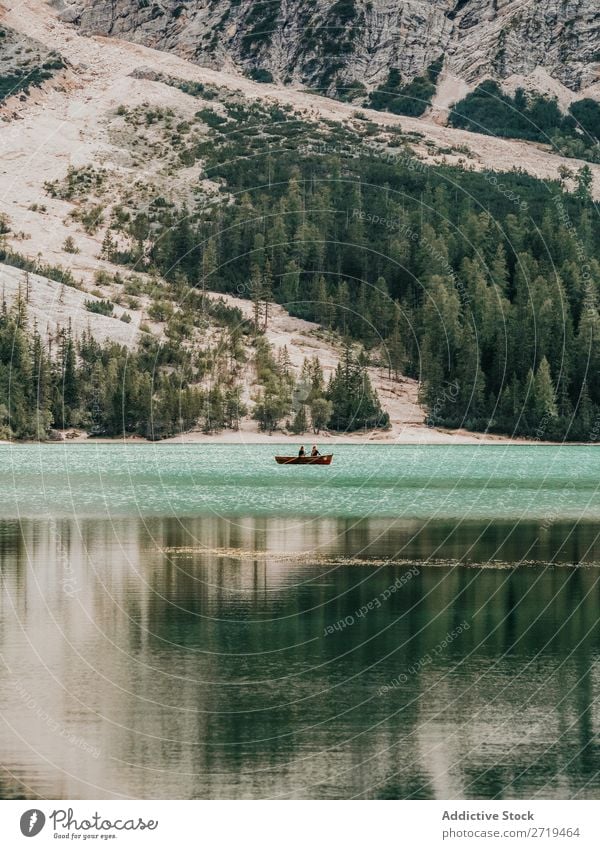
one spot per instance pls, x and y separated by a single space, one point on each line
238 438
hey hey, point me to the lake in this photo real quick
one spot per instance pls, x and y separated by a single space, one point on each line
182 621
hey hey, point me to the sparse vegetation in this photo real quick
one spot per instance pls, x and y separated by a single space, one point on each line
411 98
78 183
533 117
69 246
261 75
21 81
52 272
101 307
90 217
259 24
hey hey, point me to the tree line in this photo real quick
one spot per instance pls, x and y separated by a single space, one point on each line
51 382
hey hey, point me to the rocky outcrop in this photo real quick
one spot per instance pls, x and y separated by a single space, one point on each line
327 43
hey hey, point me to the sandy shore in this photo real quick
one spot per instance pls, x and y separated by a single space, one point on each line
250 436
410 436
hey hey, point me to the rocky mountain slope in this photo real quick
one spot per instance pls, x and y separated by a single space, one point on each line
327 43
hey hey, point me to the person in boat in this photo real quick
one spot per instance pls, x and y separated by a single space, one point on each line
315 452
302 452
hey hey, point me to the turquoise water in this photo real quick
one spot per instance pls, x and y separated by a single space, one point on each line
492 481
197 622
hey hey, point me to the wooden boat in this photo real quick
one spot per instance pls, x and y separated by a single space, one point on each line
307 460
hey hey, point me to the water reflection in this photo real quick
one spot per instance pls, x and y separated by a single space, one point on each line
270 658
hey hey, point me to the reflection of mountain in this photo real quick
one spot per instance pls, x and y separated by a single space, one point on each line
175 658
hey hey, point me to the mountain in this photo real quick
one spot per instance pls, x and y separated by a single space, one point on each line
331 45
463 267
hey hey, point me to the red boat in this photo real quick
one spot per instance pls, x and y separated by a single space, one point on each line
307 460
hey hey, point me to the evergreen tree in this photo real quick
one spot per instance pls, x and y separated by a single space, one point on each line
267 292
545 397
256 290
396 354
300 423
354 403
320 413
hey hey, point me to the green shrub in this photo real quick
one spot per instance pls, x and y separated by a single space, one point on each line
69 246
410 99
100 307
261 75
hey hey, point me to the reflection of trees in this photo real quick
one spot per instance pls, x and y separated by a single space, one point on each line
207 658
11 788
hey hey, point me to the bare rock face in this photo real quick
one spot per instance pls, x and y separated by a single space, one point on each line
70 15
325 43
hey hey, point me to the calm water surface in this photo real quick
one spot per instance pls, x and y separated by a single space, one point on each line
196 622
365 480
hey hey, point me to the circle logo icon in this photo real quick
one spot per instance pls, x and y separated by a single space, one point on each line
32 822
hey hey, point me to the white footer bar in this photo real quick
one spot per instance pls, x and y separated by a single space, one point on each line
300 825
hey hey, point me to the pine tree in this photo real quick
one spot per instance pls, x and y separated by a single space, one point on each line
109 247
300 424
41 390
320 413
584 414
267 292
256 290
140 230
290 285
69 372
396 354
343 307
317 380
381 308
294 205
278 242
209 265
545 397
319 304
584 180
354 402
